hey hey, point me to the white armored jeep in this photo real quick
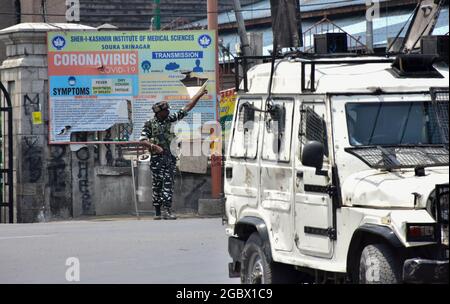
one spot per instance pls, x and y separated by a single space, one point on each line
340 173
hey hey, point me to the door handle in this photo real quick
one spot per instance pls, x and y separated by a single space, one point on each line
229 172
300 175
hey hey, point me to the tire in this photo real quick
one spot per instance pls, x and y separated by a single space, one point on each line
379 265
257 266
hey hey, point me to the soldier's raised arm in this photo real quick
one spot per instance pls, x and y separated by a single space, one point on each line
195 100
187 108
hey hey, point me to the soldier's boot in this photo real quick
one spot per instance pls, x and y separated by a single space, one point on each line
158 216
168 214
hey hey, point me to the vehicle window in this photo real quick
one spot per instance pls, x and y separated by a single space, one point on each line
313 125
398 123
278 131
245 137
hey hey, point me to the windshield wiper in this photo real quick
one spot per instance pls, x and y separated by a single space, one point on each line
389 157
406 123
376 124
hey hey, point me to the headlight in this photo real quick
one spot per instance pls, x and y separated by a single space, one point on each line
443 199
431 205
437 206
442 194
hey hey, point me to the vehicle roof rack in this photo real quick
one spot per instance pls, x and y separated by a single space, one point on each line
415 66
307 59
244 63
314 63
403 66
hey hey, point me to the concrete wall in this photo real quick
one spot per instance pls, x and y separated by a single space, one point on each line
189 189
114 190
43 173
22 71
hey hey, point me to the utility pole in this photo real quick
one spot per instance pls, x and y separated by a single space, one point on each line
245 45
44 10
157 17
216 160
371 13
369 36
18 11
212 8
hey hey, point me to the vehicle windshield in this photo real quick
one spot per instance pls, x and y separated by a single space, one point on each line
396 123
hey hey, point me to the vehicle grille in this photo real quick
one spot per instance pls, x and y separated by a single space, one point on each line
442 199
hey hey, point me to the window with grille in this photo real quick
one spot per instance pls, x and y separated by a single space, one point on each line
313 126
246 133
278 130
440 97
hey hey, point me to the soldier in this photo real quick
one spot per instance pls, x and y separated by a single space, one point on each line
157 136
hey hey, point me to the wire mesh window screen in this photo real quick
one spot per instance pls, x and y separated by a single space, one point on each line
440 108
245 138
401 157
278 130
313 127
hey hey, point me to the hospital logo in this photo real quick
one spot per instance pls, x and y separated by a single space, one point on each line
59 42
204 41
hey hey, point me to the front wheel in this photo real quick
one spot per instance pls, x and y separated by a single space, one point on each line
258 268
255 265
379 265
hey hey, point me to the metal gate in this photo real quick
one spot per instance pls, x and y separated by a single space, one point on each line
6 157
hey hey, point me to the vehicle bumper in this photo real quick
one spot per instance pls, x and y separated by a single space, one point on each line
425 271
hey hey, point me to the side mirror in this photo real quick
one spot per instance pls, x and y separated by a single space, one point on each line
249 114
313 154
278 114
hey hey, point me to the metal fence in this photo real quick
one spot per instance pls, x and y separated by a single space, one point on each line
6 165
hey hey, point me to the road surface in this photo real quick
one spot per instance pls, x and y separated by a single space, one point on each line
186 251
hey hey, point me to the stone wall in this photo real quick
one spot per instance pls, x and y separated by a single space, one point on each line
43 173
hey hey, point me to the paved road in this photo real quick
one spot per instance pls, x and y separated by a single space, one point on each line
127 251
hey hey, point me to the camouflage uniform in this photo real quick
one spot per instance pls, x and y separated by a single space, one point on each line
163 166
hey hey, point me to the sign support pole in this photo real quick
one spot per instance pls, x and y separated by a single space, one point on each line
216 157
157 15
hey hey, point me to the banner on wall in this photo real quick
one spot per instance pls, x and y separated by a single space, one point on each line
98 80
227 107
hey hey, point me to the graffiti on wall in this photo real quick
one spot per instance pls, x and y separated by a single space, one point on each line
83 156
57 169
32 159
32 111
60 200
31 105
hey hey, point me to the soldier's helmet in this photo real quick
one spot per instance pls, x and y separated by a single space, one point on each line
161 106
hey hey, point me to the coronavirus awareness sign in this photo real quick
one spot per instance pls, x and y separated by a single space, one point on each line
100 80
